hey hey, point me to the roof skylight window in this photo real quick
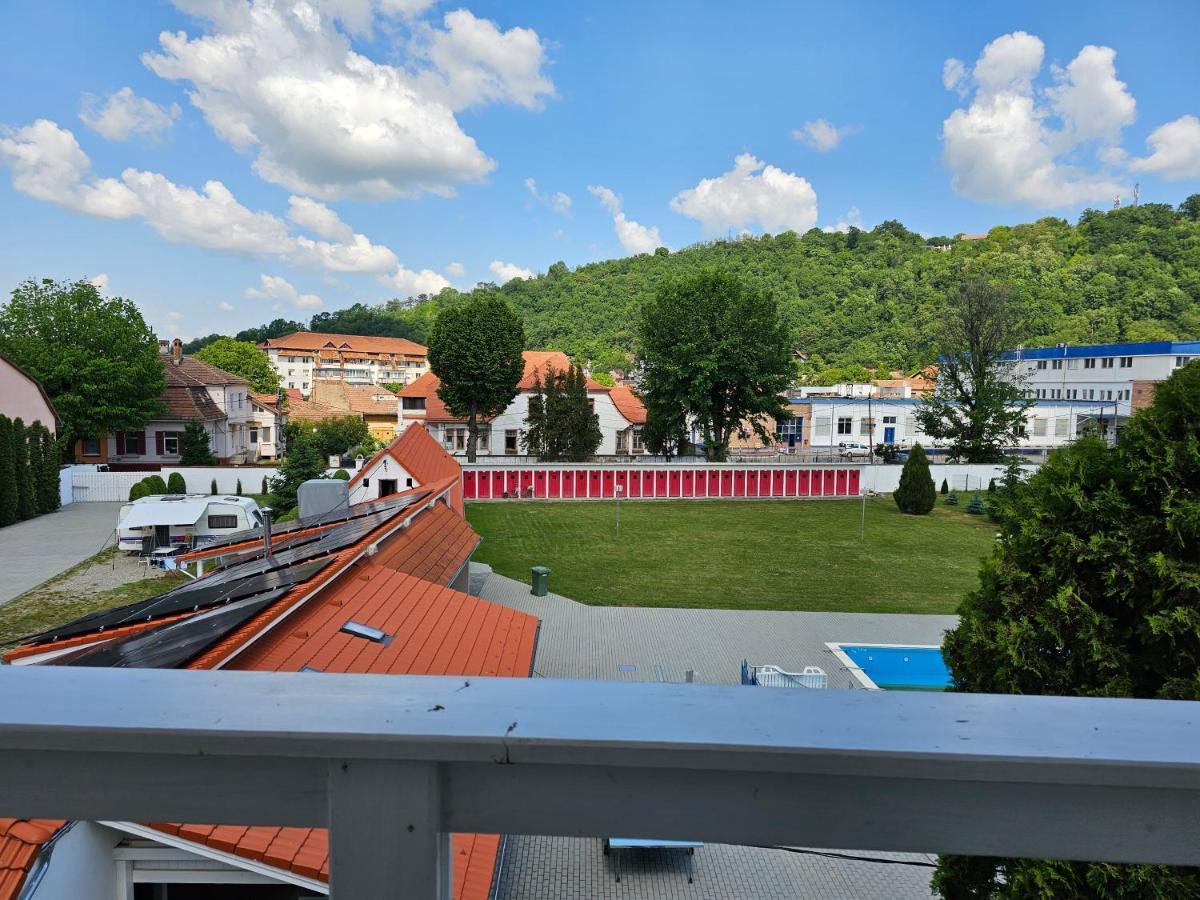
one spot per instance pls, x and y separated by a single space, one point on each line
374 635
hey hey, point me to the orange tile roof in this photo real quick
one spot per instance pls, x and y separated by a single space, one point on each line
310 341
299 409
436 631
628 404
20 842
435 547
423 458
360 398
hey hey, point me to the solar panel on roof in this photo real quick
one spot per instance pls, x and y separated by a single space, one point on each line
171 644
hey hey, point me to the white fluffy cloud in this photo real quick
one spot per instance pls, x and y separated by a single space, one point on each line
634 236
852 219
507 271
1004 146
318 218
751 192
282 81
822 135
409 283
280 290
100 281
47 163
125 114
558 201
1174 150
224 306
455 270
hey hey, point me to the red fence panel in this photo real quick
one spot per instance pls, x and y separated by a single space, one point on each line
855 476
688 480
726 482
539 484
468 485
660 484
622 483
581 485
607 485
635 484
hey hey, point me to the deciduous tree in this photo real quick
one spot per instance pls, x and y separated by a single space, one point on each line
94 355
977 408
717 351
1092 590
242 358
475 351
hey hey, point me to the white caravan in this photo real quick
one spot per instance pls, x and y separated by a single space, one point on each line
183 520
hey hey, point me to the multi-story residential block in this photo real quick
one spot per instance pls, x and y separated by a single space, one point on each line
240 427
621 417
305 357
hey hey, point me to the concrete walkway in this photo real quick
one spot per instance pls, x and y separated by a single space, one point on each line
648 644
32 552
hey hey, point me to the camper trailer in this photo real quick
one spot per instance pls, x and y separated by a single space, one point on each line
183 520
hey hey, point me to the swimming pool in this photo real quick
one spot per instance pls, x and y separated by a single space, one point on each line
893 667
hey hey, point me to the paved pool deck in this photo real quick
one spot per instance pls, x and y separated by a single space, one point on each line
649 644
38 549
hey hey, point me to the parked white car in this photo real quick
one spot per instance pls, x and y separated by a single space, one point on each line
851 449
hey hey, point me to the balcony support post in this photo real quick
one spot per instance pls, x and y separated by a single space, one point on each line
385 830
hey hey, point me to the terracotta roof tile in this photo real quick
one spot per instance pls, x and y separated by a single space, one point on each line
191 372
423 458
20 842
628 404
186 403
310 341
435 547
360 398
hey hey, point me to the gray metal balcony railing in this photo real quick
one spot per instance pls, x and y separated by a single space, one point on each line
393 764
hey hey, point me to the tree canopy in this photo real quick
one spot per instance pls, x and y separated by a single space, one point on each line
976 409
1093 590
560 423
716 351
242 358
475 351
94 355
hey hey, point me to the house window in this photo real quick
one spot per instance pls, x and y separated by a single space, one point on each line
1106 363
821 427
637 440
889 420
1089 363
510 441
222 521
171 443
1041 364
266 434
845 425
1126 362
254 435
621 441
1062 426
131 442
1072 364
413 403
1039 427
1091 394
1056 363
1181 361
91 446
456 439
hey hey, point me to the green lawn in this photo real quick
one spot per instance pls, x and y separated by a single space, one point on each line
740 554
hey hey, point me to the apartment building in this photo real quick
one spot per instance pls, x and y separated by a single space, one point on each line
621 418
1120 376
240 427
305 357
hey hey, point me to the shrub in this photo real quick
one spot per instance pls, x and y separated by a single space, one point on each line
238 490
992 486
155 484
176 484
26 505
975 507
945 487
952 499
138 491
194 450
265 488
212 489
342 475
915 494
8 475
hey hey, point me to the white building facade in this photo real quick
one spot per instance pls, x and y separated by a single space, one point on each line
305 356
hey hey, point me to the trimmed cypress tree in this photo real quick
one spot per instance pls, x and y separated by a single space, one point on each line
138 491
8 474
155 484
26 506
194 450
265 487
915 494
176 484
992 486
238 489
213 487
945 487
41 448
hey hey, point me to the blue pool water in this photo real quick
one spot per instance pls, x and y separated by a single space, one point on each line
902 668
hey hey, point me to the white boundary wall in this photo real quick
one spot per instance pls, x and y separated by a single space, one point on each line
962 477
89 485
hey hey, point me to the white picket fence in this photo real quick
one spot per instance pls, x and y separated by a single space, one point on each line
90 485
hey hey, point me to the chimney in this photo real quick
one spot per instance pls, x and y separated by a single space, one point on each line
266 516
176 351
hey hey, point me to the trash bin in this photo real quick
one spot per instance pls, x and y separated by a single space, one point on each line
540 580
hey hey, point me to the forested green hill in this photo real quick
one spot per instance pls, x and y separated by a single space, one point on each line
872 298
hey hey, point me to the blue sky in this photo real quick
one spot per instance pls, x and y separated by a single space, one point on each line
362 148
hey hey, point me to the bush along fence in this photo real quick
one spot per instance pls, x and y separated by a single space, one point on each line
29 464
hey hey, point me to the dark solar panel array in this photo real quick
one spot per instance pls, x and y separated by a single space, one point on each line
173 643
